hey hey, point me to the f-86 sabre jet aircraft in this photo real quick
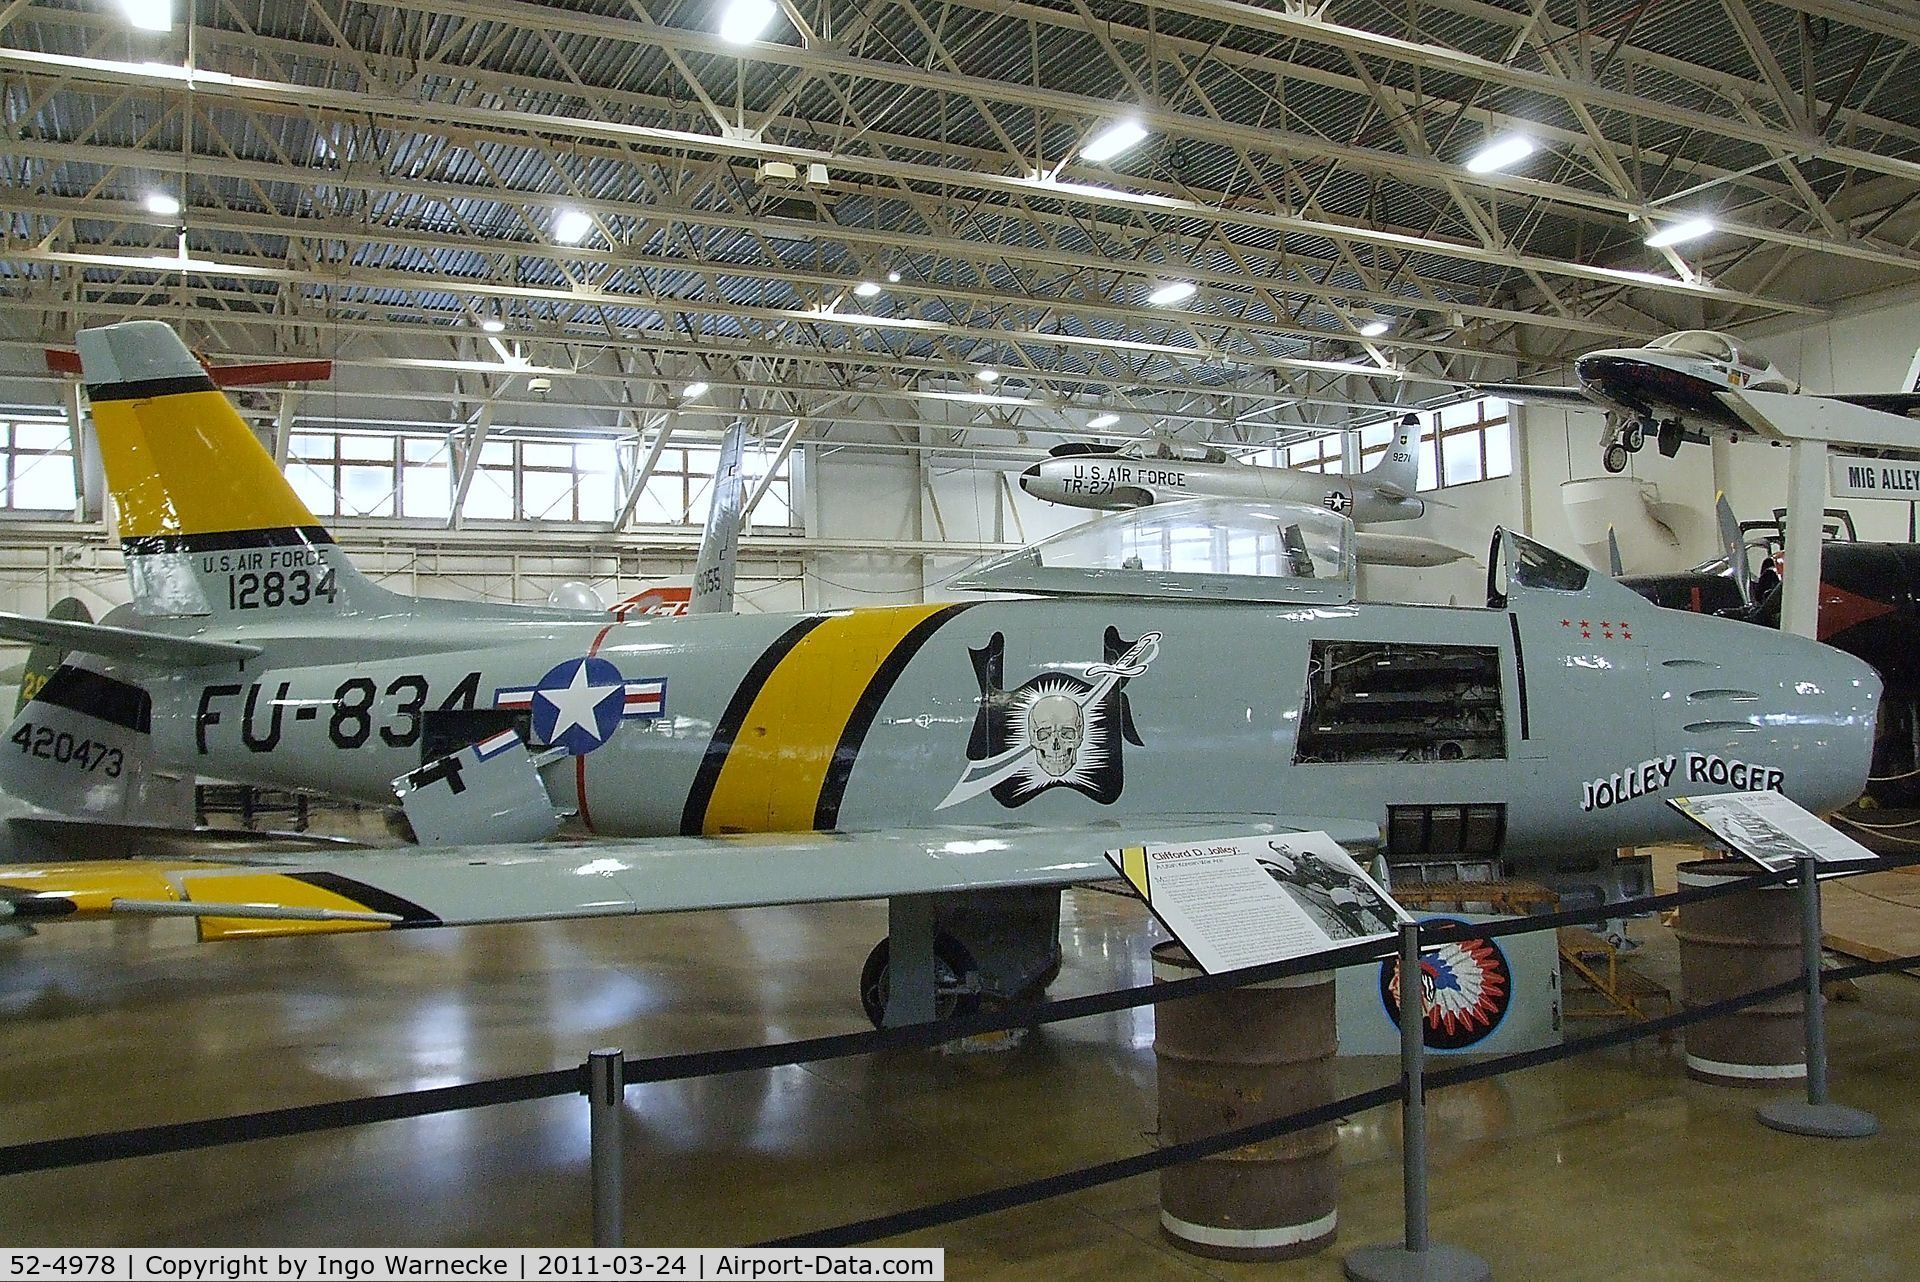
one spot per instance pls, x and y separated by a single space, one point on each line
1682 387
1146 472
964 761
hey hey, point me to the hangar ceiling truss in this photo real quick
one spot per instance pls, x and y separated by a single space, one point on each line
378 180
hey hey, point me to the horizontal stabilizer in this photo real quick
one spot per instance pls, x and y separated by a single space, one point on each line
156 648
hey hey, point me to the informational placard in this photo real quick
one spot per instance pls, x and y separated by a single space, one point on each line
1246 901
1770 829
1854 477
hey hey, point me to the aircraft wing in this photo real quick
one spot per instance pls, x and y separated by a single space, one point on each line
1906 404
458 886
1538 393
123 643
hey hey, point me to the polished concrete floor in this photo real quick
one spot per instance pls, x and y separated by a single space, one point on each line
1612 1166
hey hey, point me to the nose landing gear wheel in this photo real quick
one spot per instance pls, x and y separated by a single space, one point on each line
956 980
1614 458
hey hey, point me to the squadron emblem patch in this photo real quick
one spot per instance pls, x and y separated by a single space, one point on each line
1468 989
1058 730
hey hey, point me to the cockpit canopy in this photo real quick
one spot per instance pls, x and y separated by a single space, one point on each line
1711 345
1196 549
1175 451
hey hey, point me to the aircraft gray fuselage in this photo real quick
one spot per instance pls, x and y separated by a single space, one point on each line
1578 712
1114 481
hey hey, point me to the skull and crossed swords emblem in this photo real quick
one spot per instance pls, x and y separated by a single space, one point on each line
1057 730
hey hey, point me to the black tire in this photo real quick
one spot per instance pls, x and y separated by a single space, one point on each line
955 977
1614 458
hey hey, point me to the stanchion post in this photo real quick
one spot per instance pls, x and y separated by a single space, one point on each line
1816 1115
606 1092
1417 1258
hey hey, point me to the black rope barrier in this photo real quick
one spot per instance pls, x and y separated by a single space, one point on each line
173 1137
962 1208
1015 1195
273 1123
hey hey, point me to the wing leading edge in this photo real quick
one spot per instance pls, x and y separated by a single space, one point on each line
378 890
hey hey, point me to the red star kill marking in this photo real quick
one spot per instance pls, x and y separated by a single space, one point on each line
1585 633
1566 623
1626 636
1583 623
1605 624
1607 635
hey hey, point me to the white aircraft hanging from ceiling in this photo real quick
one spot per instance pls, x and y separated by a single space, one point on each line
1683 387
1114 478
1120 478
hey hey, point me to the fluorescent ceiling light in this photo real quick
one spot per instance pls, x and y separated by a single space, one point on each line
893 278
693 391
1374 328
158 202
987 375
1501 153
865 289
1114 139
742 21
493 325
1680 233
1100 421
1178 291
149 15
570 226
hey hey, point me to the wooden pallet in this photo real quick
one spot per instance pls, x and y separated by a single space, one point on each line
1615 990
1874 917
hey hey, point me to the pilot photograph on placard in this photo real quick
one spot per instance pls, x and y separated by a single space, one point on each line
1330 888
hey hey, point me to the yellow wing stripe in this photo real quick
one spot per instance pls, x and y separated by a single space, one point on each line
186 463
92 887
778 762
279 891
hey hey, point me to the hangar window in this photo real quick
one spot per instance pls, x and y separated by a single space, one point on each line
1474 442
39 465
343 474
1378 701
681 488
1321 454
545 479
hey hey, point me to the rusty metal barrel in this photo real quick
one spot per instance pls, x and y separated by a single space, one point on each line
1732 945
1232 1059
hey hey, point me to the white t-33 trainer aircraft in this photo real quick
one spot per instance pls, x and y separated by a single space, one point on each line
964 761
1115 478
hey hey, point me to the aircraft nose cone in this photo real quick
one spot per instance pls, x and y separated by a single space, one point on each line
1599 368
1028 477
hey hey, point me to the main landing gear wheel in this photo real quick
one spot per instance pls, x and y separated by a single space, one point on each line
1634 437
1614 457
956 980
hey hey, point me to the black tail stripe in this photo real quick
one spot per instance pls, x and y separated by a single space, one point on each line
289 536
826 812
693 818
143 389
94 695
372 898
